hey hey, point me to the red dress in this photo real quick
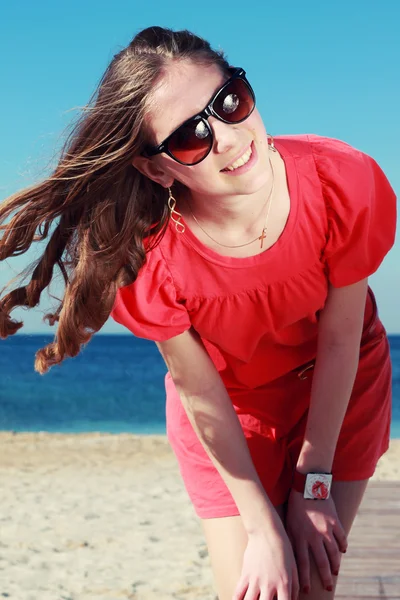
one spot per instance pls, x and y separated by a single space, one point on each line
258 319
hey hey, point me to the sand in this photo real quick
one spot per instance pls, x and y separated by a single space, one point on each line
105 517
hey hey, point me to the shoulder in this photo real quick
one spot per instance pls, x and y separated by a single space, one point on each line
320 147
359 201
150 307
351 179
332 159
361 209
337 159
344 172
157 252
340 173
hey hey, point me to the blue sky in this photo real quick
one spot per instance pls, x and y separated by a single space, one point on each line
329 68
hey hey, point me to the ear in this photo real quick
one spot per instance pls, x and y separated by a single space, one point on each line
152 170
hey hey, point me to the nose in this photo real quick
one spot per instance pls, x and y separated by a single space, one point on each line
225 136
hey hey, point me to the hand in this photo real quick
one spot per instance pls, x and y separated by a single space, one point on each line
269 568
315 524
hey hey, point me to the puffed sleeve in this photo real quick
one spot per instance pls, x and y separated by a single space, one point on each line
361 210
149 306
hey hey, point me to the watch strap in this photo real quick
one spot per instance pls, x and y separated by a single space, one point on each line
299 481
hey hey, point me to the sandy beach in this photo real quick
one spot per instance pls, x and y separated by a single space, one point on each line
105 517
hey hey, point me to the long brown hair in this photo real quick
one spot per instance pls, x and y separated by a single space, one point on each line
106 214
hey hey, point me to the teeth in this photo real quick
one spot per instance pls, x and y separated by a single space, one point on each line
240 161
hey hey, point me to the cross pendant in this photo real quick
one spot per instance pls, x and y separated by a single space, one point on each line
262 237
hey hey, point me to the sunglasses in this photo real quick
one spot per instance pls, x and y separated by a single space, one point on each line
192 141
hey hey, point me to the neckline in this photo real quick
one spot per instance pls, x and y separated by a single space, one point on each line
191 240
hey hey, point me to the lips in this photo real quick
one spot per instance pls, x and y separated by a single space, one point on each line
244 168
238 156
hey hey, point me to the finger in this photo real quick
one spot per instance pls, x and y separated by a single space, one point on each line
322 563
240 590
285 591
334 555
303 565
340 536
291 538
295 585
253 592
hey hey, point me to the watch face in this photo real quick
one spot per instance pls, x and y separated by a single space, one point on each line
317 486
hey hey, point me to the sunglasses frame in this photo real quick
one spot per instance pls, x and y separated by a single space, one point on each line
237 73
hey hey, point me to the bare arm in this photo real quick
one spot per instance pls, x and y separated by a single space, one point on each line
338 352
210 411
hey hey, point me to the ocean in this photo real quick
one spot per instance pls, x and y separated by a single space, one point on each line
115 385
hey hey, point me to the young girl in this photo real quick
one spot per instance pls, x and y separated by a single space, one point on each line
246 259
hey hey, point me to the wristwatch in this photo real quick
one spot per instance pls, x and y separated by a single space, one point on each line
313 486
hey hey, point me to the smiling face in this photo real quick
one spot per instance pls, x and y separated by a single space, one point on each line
184 91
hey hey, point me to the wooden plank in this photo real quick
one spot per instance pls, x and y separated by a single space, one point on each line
368 585
371 567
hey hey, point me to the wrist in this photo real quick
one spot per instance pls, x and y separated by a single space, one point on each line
260 515
313 460
312 485
268 527
265 521
257 512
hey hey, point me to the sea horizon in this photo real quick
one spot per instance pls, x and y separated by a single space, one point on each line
115 385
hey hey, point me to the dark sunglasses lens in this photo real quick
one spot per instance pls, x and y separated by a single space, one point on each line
235 102
191 142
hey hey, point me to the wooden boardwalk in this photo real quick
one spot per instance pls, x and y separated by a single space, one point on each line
371 567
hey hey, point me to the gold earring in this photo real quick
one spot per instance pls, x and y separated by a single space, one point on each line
180 227
272 145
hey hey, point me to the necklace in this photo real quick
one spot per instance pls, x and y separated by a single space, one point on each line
264 230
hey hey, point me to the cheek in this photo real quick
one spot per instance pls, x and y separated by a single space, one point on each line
195 177
184 174
200 178
256 124
197 181
175 170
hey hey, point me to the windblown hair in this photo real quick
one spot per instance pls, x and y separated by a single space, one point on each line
107 215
